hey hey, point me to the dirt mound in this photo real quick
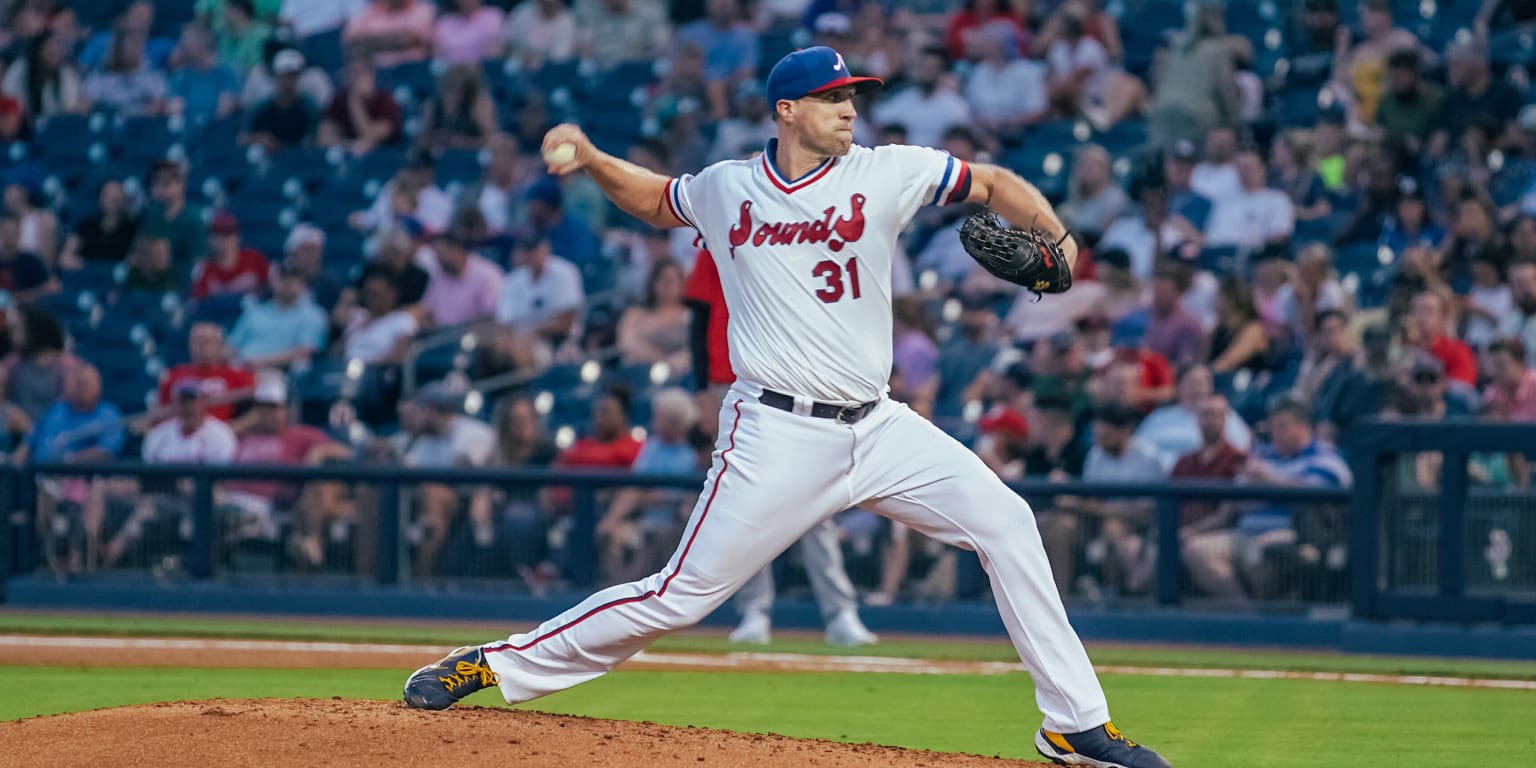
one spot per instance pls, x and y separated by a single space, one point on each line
277 733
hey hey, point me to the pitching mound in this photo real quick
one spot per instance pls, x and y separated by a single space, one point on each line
277 733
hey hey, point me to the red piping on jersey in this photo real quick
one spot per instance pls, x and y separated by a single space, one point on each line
789 189
961 182
725 465
666 194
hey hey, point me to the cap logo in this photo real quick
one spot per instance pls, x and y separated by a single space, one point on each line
840 66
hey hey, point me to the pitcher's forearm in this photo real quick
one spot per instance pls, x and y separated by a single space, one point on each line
1020 203
635 190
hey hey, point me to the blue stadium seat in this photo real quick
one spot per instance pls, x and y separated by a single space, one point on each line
1297 107
458 165
1219 259
1047 168
142 141
1123 137
415 76
558 74
222 311
378 165
1313 231
310 165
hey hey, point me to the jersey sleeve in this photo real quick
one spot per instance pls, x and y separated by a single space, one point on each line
680 193
927 176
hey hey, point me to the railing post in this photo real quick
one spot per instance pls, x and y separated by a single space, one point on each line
583 541
200 556
387 562
24 496
8 525
1452 568
1170 571
1365 531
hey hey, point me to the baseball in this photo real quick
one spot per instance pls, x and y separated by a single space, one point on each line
561 154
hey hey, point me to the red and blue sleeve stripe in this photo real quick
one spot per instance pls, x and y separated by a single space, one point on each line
956 179
674 199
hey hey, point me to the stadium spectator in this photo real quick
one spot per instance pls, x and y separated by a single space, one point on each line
1178 171
391 31
37 227
261 82
1294 456
221 383
378 331
1206 535
749 127
1472 96
468 34
230 268
1196 86
1410 108
522 439
1291 171
1094 200
126 83
641 526
1006 92
304 256
1253 215
963 358
1061 370
411 200
1118 455
510 517
1486 304
285 329
1004 429
1174 429
202 86
1410 226
1056 454
730 48
272 439
915 354
1238 342
980 19
1328 351
34 372
1473 237
1315 287
460 115
1511 391
1171 330
464 286
22 273
929 105
498 195
613 31
1216 175
610 445
310 19
104 236
568 236
541 305
361 115
395 265
540 31
1521 323
656 330
241 36
77 429
288 118
44 80
1425 391
171 217
441 436
150 268
1360 69
1083 78
1428 324
191 436
1147 233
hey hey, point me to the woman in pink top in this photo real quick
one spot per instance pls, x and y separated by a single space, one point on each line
392 31
470 35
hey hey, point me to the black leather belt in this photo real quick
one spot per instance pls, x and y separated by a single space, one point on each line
843 414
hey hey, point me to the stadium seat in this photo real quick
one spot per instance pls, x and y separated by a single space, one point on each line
1123 137
142 141
415 76
222 311
458 165
379 165
559 74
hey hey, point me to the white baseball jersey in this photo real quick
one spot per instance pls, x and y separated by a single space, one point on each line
805 265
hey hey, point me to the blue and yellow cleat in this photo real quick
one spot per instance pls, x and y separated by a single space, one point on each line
1101 747
443 683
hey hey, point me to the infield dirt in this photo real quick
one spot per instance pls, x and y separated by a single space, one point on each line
284 733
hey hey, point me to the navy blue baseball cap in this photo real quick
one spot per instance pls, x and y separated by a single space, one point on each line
813 70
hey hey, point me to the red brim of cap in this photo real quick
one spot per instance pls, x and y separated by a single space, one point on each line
860 84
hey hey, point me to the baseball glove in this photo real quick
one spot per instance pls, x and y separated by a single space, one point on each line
1028 257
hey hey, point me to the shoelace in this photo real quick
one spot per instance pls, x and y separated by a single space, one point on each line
467 672
1114 733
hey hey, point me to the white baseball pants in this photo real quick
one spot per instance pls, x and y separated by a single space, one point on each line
822 555
777 474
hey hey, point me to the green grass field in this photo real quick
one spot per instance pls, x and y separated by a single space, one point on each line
1194 721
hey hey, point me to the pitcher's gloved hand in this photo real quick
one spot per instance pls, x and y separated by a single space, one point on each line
1028 257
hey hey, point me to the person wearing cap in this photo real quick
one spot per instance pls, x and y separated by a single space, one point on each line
1410 108
1178 173
929 105
1253 215
272 439
172 217
392 31
1120 547
288 118
1004 427
1511 391
811 334
730 49
1425 391
570 238
1357 388
229 269
464 286
304 254
361 115
541 303
1473 96
285 329
1410 226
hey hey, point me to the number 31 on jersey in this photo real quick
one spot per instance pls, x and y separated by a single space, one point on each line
834 273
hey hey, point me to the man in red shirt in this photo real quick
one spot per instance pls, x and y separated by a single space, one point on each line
1205 533
222 385
1427 318
1511 392
228 269
610 444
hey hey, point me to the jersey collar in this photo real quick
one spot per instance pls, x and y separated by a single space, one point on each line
786 185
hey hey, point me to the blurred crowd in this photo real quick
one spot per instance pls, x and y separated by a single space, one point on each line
1294 216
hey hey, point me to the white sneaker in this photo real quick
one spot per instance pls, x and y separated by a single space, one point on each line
755 629
846 630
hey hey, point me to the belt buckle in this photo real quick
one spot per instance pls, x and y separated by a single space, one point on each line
844 411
